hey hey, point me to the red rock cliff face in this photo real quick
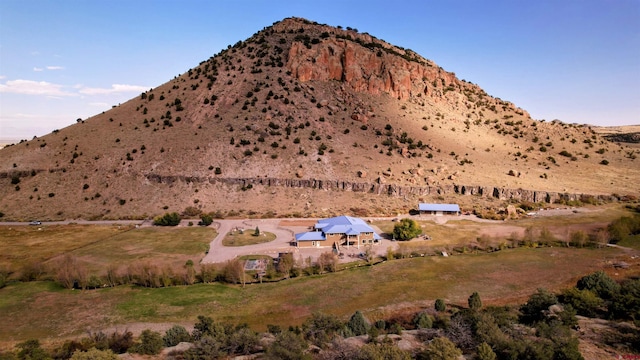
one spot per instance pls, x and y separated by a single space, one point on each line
366 70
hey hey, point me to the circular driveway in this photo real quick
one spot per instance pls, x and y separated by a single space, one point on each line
220 253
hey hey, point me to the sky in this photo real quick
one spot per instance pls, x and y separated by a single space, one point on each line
573 60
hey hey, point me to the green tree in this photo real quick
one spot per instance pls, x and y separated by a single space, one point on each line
321 328
627 304
406 229
168 219
287 346
175 335
475 303
535 308
422 321
31 350
600 283
586 302
242 341
485 352
441 348
206 220
256 232
358 324
440 305
94 354
205 348
383 351
151 343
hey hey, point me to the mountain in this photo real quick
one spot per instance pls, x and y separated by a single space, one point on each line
305 119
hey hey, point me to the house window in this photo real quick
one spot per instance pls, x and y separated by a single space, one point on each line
313 243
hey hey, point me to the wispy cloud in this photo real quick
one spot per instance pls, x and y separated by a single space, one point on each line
30 87
115 88
57 91
55 67
2 77
37 69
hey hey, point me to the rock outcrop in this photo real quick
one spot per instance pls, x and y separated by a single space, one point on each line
380 188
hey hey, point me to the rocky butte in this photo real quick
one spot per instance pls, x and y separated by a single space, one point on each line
306 119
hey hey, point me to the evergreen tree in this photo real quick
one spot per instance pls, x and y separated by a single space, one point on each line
358 324
440 305
485 352
422 321
474 301
442 348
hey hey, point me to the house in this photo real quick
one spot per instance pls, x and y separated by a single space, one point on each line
439 209
338 231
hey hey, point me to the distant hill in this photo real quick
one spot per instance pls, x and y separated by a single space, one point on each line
305 119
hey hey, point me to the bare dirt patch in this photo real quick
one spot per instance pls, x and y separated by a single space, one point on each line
295 223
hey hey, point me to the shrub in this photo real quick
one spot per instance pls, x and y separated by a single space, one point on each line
442 348
191 211
604 162
31 350
475 303
406 229
168 219
585 302
150 343
484 352
440 305
422 321
205 220
534 309
358 324
94 354
600 283
287 346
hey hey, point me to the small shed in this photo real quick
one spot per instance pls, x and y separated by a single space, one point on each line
439 209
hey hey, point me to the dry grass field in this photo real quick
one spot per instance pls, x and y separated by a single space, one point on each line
43 310
101 246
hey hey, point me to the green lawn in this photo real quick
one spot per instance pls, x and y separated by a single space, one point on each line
247 237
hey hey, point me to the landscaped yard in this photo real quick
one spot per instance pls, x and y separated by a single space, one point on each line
247 237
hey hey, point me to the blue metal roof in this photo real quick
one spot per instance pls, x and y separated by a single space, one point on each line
310 236
337 225
439 207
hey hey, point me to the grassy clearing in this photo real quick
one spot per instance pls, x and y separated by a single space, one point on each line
502 277
100 246
22 244
632 242
247 237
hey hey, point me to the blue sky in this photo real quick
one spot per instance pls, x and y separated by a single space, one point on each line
577 61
